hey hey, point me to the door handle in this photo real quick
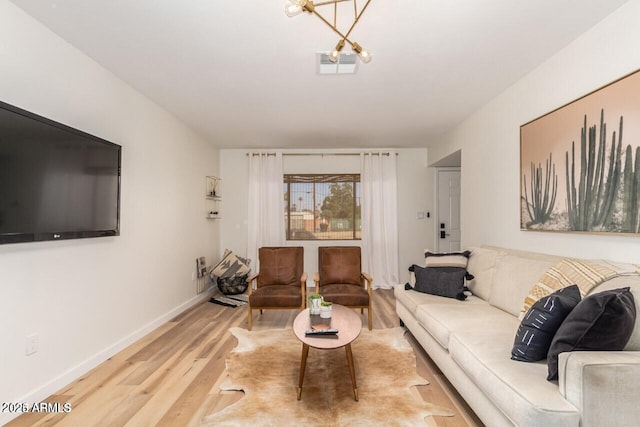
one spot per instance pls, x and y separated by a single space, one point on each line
443 234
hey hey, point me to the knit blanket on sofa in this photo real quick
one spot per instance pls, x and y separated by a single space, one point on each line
585 274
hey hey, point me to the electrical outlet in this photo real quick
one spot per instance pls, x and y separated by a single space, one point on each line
193 276
31 344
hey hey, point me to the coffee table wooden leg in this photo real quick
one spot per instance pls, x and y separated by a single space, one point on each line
303 365
352 371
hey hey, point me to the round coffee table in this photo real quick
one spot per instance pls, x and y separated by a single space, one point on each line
349 326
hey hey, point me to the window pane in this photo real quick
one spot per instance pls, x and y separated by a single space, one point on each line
322 207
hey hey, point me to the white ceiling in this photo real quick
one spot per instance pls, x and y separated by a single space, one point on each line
242 74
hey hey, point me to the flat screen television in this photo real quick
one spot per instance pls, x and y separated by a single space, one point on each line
56 182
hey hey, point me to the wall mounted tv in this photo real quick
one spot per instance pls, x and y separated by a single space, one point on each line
56 182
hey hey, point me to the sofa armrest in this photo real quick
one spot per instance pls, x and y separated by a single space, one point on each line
603 385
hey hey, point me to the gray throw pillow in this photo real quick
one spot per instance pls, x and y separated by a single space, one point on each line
441 281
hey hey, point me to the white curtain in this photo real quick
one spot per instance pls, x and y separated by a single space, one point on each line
379 203
266 204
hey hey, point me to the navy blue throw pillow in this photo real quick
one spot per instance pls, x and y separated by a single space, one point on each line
541 323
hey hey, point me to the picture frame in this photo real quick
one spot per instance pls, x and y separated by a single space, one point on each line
580 164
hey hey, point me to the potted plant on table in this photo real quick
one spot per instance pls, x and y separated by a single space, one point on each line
325 309
313 302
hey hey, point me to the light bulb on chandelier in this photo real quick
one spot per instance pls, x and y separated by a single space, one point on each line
364 54
296 7
292 10
335 53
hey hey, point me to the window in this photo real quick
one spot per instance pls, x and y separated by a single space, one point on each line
324 207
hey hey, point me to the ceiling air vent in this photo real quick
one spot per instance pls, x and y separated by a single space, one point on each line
347 64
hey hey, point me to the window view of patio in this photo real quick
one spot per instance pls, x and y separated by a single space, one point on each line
324 207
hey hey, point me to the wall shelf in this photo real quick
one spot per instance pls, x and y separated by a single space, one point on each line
213 197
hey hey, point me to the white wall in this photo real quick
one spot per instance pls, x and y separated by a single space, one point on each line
415 190
490 140
88 298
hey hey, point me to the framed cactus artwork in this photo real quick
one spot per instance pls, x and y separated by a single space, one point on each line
580 164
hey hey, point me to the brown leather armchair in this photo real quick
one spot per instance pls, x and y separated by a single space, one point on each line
340 278
281 282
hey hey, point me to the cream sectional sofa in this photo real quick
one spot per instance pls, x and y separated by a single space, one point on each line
471 343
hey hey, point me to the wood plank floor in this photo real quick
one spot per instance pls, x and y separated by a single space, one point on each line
171 377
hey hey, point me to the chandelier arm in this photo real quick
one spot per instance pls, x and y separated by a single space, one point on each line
324 3
342 36
357 18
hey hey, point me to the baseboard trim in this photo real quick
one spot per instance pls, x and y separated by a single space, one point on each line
41 393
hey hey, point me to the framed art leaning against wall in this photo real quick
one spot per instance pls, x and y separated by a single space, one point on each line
580 164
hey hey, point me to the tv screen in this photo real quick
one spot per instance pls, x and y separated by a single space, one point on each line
56 182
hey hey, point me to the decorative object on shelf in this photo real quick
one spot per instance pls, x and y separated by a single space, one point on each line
592 186
213 197
296 7
313 302
212 186
325 309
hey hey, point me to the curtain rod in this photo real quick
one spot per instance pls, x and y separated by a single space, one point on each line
322 154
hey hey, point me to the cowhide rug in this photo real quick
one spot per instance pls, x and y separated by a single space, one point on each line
265 365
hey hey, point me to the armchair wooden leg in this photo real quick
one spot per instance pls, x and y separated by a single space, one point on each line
249 319
370 318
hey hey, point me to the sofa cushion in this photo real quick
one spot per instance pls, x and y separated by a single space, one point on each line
347 295
443 281
276 296
541 323
481 265
411 299
442 320
517 389
513 279
602 321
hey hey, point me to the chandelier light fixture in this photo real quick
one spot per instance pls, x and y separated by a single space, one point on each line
296 7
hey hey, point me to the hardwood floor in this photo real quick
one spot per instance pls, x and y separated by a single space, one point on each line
171 377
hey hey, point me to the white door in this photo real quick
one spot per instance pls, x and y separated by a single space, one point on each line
448 218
